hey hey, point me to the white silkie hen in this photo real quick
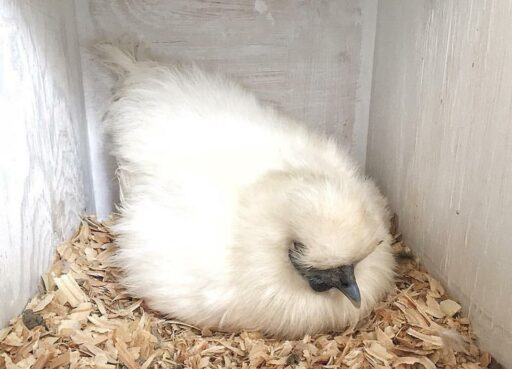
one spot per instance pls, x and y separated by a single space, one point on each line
234 216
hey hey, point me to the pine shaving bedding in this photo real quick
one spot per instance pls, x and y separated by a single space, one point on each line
84 319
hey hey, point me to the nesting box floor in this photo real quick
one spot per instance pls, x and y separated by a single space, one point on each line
84 319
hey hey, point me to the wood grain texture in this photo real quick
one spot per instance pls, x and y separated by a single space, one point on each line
305 57
44 178
440 145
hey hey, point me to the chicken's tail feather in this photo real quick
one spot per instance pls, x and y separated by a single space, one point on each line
120 58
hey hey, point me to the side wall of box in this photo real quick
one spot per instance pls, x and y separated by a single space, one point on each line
44 168
440 146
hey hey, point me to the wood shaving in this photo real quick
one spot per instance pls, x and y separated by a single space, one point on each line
85 319
449 307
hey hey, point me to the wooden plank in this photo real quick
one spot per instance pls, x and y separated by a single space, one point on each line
440 145
44 168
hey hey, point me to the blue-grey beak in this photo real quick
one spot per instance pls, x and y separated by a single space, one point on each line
348 285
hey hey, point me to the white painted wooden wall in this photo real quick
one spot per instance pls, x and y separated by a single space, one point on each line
44 168
440 146
310 58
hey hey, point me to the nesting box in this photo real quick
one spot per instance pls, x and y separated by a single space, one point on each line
419 92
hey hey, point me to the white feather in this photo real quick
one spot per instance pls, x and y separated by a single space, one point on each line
452 339
216 186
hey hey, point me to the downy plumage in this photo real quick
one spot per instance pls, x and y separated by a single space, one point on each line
235 216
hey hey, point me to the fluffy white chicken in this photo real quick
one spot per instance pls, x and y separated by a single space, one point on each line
234 216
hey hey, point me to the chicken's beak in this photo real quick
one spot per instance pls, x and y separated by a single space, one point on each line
348 285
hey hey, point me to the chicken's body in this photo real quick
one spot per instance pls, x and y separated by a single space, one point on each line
216 188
